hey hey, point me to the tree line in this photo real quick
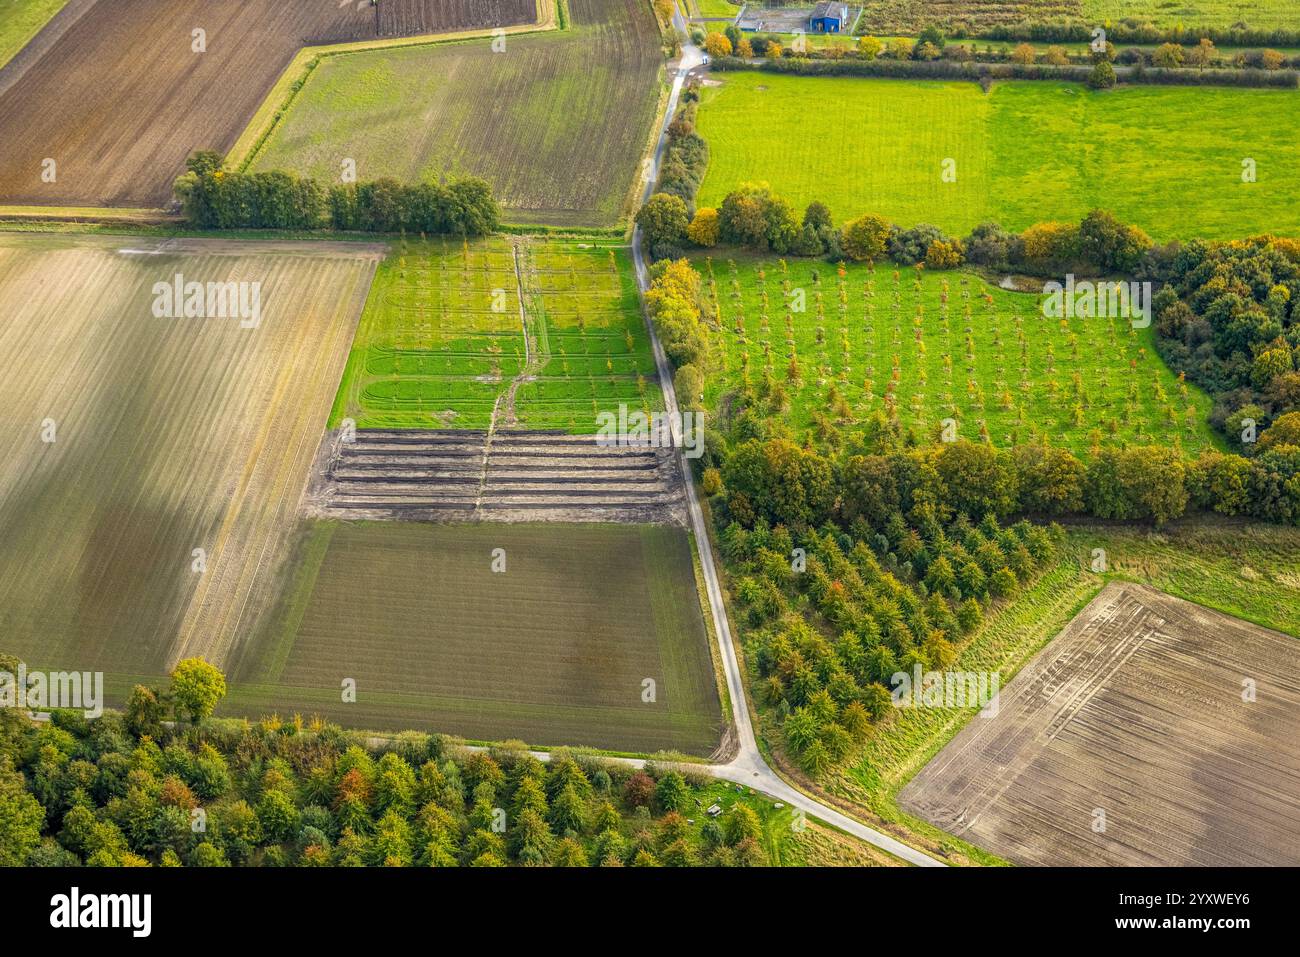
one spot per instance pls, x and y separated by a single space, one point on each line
931 55
1100 75
686 156
1134 30
213 197
754 217
130 789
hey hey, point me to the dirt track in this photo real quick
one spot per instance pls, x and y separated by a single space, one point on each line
121 98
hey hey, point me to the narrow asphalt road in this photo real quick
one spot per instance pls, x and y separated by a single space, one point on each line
747 767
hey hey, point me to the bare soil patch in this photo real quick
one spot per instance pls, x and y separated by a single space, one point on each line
502 476
1127 742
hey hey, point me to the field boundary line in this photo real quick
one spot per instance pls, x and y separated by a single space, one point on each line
276 104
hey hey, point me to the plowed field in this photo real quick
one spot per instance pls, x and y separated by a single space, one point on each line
132 87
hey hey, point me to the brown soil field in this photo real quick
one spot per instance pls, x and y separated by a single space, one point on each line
1127 742
168 435
121 98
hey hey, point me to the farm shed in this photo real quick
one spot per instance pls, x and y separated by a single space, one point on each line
829 17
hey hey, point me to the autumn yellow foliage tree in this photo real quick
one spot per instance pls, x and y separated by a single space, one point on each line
703 230
717 44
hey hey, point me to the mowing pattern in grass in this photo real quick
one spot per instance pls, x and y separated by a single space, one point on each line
928 346
553 650
1025 152
592 351
129 441
911 15
555 122
442 342
20 20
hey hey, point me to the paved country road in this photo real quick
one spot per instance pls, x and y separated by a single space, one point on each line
747 767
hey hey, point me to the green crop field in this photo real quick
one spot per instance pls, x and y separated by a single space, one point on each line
556 122
554 649
930 346
20 20
1259 14
442 343
1025 152
912 15
712 8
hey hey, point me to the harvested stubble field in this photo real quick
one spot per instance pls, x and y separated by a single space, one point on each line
553 650
1132 740
926 346
442 343
169 435
556 122
910 16
1248 571
1025 152
463 475
122 97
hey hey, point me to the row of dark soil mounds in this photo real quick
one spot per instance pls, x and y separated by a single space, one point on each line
520 476
118 97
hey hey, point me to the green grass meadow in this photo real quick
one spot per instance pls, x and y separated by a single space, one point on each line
1168 159
553 650
928 346
442 344
909 16
20 20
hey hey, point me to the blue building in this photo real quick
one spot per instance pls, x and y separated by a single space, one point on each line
829 17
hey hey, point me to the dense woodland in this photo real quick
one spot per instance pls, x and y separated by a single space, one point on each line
134 789
828 629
